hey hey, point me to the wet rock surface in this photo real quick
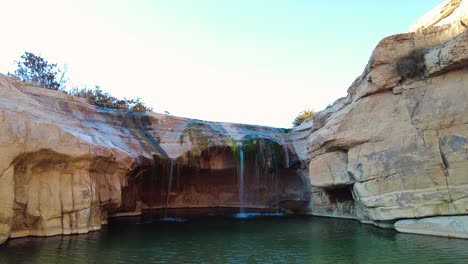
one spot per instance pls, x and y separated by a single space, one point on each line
67 165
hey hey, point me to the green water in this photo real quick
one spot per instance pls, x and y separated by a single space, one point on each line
227 240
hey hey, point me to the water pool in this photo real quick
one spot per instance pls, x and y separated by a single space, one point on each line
221 239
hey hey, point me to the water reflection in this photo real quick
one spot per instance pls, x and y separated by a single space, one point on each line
227 240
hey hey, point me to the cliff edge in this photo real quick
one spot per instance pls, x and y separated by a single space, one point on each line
393 153
396 147
68 165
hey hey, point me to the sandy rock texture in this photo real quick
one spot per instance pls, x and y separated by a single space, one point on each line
446 13
394 150
397 146
66 166
448 226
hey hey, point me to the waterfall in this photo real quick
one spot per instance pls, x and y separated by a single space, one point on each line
241 180
286 156
276 182
257 179
152 183
169 186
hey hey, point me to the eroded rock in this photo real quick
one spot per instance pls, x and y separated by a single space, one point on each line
398 147
447 226
67 165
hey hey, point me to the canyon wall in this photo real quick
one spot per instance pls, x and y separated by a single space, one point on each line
67 165
394 152
397 146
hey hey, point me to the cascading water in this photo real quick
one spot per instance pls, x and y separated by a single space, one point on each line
241 180
286 156
257 179
276 182
264 159
169 186
152 182
286 161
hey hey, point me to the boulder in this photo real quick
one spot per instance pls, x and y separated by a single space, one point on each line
447 226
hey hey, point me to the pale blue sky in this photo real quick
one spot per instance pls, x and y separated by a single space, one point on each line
249 61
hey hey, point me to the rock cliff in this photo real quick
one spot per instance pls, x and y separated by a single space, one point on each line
394 152
397 146
67 165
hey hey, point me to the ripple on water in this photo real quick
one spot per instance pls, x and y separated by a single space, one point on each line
256 215
173 219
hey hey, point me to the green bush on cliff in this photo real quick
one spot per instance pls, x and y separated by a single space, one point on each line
36 70
106 100
412 65
302 116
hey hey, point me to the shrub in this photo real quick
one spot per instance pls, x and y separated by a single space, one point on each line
36 70
106 100
412 65
302 116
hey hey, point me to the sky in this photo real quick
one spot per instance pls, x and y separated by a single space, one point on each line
245 61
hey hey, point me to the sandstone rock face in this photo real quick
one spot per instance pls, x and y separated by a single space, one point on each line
397 146
448 12
67 165
330 169
448 226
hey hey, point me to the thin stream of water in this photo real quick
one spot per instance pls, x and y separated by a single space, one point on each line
241 181
169 186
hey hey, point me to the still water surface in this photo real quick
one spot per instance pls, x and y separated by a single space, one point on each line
230 240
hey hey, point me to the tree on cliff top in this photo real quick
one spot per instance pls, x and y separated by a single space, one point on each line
302 116
36 70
